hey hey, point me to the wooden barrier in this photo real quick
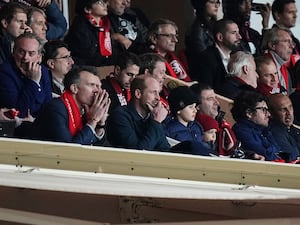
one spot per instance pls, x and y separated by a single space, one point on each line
147 163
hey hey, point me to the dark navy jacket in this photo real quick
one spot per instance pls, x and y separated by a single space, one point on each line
53 125
287 138
256 138
127 129
17 91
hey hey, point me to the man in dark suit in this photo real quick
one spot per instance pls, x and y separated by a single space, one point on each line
79 115
210 66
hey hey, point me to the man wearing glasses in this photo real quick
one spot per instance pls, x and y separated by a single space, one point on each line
59 61
163 36
279 45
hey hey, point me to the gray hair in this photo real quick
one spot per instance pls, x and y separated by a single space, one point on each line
237 61
271 36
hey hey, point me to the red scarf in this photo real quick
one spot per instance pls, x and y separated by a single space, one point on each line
75 122
174 67
104 34
267 90
123 95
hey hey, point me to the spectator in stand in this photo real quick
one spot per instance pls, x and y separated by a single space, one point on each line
242 75
13 23
295 96
89 37
240 11
37 22
25 83
251 114
268 81
209 107
210 66
182 126
142 18
163 37
127 29
285 15
118 84
59 60
210 128
200 34
278 44
62 120
139 124
56 22
285 133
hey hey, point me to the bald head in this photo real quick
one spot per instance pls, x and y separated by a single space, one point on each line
281 109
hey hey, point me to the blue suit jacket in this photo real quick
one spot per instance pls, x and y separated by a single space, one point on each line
17 91
53 125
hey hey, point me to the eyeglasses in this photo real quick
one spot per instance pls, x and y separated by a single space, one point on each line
289 41
170 36
264 109
66 57
214 2
101 2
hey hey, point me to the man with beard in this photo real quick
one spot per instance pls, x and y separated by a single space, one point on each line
138 124
79 115
117 84
212 63
285 133
239 11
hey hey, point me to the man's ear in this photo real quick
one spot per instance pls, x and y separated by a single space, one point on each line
153 39
245 69
117 71
86 10
137 93
219 37
50 63
4 23
276 16
248 114
147 71
74 88
271 45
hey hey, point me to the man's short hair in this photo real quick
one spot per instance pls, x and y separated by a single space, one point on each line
30 36
138 83
8 11
51 49
237 61
73 76
154 29
272 36
220 26
262 60
273 102
199 88
149 60
126 59
278 6
246 102
31 11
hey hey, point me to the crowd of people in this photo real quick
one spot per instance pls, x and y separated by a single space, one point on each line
49 78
